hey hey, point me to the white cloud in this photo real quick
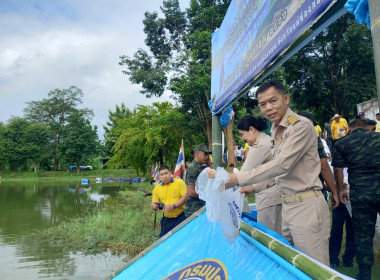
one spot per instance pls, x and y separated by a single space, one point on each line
43 49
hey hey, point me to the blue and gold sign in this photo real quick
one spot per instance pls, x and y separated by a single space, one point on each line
210 269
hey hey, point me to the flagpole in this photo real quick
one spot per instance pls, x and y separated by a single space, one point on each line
184 162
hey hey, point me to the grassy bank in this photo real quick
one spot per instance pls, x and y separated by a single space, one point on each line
66 175
122 224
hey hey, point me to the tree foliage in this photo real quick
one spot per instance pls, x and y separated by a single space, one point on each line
179 57
54 111
151 131
21 142
334 72
79 140
111 133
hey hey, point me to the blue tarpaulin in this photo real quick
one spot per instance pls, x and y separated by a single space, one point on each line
202 243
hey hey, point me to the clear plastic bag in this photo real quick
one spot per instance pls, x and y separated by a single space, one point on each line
222 206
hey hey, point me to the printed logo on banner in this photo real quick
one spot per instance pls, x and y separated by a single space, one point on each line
210 269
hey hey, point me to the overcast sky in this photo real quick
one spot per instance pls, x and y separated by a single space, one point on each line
49 44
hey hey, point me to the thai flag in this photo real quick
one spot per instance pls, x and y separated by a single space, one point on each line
180 166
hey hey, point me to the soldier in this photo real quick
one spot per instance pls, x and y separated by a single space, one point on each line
359 152
296 165
200 162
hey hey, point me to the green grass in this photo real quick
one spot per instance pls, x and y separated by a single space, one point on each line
121 224
66 175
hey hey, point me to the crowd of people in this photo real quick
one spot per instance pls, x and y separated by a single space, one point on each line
292 178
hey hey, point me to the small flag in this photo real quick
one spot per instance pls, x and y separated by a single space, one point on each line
156 175
180 166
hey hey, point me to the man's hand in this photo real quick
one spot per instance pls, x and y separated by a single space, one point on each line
334 201
154 206
211 173
246 190
343 196
168 207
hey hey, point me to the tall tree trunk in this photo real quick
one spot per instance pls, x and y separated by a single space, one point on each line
230 142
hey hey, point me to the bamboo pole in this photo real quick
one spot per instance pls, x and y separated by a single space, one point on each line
298 260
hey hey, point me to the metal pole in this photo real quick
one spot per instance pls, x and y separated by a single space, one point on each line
374 12
216 142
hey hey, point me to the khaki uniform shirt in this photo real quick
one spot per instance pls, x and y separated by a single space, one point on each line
260 153
296 163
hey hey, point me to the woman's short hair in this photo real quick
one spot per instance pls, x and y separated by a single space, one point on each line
245 122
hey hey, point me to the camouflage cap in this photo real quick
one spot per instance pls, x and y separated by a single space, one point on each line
203 148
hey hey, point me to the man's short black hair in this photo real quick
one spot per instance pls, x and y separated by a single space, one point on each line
358 123
248 120
163 167
276 84
371 122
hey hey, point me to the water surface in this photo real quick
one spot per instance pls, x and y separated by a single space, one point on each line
26 209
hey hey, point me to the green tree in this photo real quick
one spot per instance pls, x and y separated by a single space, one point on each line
22 141
150 133
111 134
37 141
54 112
333 72
79 140
180 59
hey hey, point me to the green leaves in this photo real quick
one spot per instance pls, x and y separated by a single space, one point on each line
147 132
79 140
179 57
21 142
334 72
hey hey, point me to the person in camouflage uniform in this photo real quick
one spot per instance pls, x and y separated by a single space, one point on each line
200 162
359 152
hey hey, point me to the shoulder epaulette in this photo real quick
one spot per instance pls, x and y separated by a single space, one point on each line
292 119
256 142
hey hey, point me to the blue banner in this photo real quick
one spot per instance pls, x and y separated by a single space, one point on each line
253 34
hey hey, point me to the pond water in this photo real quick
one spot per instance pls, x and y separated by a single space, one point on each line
27 208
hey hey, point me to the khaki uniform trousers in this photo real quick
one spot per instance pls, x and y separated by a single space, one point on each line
271 217
306 225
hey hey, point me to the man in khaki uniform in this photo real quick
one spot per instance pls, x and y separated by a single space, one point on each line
296 165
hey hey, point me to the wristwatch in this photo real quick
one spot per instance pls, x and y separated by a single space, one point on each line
174 206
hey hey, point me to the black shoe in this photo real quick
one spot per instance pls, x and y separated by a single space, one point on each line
334 265
352 264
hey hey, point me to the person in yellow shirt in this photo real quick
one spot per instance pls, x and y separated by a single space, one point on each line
377 122
170 196
318 129
246 148
339 129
